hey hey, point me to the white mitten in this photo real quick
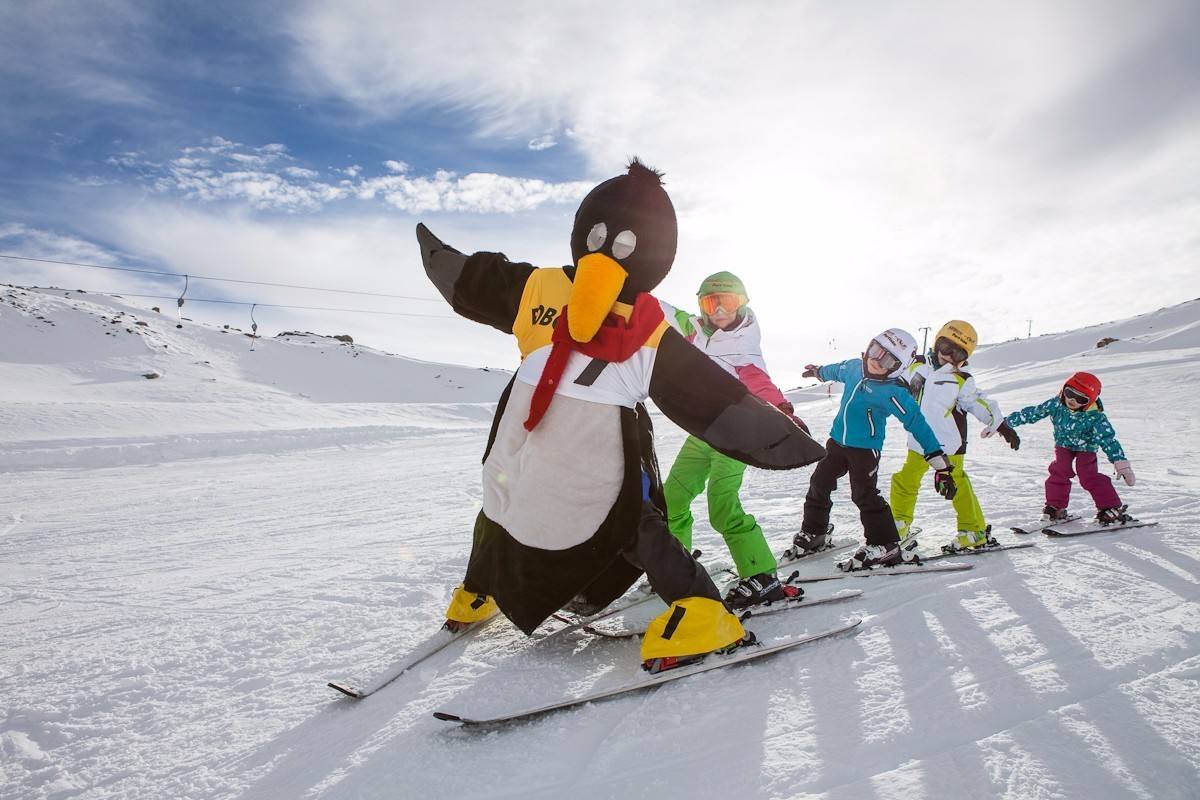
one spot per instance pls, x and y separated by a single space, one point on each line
1125 471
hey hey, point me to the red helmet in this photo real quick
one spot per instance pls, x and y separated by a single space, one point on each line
1086 384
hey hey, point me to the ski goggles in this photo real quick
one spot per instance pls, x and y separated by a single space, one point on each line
729 301
1076 395
949 349
885 358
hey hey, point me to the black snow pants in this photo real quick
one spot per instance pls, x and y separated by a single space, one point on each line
863 467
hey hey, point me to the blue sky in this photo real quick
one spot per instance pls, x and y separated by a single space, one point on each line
859 165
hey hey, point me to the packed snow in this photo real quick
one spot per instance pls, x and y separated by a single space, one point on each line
186 559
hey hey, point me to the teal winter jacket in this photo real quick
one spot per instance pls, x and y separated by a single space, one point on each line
1083 431
861 420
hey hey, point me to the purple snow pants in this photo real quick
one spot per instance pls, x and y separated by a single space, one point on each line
1094 482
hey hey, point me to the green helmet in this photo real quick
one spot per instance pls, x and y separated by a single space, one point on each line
723 282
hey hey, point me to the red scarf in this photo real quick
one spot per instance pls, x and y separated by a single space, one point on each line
616 341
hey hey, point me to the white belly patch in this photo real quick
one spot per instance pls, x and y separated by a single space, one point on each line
552 487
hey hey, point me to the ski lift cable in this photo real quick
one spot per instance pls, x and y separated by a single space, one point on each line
247 303
278 305
222 280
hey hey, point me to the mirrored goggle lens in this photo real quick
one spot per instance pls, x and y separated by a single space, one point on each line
951 350
1075 394
709 303
886 360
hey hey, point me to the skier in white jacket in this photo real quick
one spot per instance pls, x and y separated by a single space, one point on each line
947 393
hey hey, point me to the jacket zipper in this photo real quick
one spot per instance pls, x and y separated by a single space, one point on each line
871 422
846 415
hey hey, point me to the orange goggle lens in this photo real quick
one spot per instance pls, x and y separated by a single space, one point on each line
709 303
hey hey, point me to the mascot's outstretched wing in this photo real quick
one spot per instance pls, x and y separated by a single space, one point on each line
711 404
484 287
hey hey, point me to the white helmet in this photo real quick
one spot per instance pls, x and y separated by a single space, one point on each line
895 350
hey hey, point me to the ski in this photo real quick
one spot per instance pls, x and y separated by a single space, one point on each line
1084 528
745 614
980 550
784 561
434 644
902 569
709 663
1041 526
643 594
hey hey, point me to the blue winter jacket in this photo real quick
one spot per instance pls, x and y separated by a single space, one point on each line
861 420
1082 431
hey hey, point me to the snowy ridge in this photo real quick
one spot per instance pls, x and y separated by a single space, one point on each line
75 391
169 623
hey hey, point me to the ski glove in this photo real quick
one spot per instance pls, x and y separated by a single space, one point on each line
943 481
943 484
811 371
1125 471
1009 435
787 408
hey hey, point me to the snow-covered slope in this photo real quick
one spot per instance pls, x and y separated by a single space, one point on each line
169 623
74 389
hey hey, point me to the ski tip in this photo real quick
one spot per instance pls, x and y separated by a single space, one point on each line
349 691
445 717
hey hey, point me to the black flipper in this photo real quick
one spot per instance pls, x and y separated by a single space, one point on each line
709 403
483 287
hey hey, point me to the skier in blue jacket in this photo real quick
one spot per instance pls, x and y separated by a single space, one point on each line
873 392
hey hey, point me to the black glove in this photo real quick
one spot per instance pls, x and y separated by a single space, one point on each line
943 481
811 371
943 484
1009 435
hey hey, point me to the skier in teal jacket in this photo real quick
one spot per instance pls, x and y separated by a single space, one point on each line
1080 429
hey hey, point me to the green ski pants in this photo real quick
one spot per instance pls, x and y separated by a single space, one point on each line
696 465
907 483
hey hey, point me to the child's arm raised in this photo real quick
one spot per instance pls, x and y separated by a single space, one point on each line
973 401
830 372
1030 414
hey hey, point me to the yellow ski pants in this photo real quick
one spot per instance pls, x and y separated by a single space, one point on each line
907 483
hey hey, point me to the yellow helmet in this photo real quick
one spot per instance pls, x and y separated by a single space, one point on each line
960 333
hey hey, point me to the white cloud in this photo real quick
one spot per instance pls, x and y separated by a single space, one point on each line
544 142
221 170
480 193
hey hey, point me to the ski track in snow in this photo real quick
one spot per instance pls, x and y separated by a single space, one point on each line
169 623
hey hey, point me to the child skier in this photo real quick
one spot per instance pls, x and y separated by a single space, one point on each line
873 391
947 393
728 332
1080 428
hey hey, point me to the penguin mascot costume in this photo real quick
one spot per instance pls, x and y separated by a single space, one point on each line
573 509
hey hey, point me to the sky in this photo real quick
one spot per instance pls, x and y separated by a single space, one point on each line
1023 166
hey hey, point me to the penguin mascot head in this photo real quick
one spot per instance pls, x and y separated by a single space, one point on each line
623 243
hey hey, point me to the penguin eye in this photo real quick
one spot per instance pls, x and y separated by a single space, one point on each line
623 245
596 237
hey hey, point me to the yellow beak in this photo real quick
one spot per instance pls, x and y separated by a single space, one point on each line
598 281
